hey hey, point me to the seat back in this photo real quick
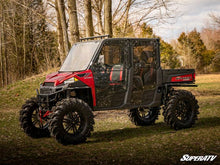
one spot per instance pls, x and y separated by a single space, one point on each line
116 74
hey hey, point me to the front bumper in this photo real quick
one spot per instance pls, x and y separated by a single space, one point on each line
49 95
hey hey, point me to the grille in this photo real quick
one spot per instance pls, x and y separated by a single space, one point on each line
45 90
49 84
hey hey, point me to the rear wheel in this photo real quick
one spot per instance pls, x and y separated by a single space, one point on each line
144 116
72 121
181 110
31 121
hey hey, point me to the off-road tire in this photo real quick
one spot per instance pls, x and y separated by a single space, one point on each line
149 119
26 122
188 111
71 111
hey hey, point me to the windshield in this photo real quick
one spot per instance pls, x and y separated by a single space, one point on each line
79 56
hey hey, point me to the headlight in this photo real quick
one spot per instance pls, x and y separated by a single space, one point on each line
71 80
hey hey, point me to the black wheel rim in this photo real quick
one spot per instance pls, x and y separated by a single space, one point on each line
72 123
183 111
144 113
37 119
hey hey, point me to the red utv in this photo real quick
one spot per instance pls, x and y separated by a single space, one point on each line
106 74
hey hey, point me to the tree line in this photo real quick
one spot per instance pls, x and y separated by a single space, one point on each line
201 50
36 35
27 46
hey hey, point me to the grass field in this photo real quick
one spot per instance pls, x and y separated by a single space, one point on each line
114 140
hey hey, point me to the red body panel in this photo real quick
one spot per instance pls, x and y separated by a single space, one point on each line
59 78
183 78
88 79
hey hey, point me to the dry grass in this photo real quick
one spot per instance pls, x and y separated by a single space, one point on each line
208 78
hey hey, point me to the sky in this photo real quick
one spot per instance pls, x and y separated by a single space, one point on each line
193 14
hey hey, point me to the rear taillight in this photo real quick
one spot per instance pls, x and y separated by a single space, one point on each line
194 76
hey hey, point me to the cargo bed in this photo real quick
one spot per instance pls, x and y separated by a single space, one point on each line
178 76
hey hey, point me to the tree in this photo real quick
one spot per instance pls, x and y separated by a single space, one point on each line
210 36
215 19
1 46
169 57
194 51
97 6
108 17
146 31
73 21
59 34
216 63
88 18
62 15
127 15
197 48
185 51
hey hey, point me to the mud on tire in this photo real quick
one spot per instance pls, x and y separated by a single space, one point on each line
144 117
30 120
181 110
72 121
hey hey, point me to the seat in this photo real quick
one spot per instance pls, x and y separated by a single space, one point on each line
116 74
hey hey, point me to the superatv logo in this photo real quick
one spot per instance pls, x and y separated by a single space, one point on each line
205 158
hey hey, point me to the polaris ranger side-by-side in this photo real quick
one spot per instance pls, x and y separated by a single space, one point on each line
106 74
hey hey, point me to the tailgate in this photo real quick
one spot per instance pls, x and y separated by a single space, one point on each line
178 75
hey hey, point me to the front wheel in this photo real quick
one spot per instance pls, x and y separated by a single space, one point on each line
72 121
181 110
31 120
144 116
